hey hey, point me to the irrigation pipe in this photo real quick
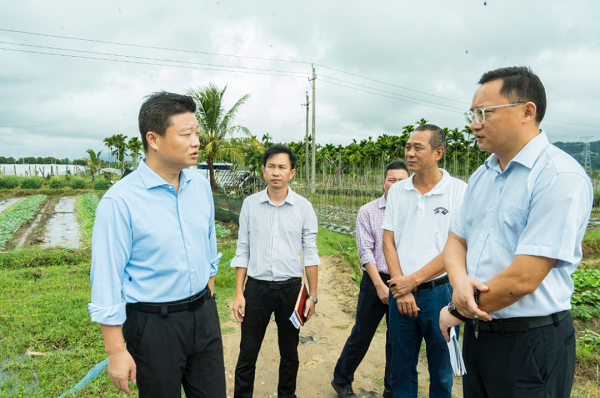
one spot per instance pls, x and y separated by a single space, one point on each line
95 371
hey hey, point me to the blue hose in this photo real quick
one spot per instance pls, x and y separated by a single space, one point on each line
95 371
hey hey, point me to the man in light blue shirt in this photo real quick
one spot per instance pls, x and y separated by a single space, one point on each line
154 258
514 246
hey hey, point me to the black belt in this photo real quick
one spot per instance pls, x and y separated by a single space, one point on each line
433 283
516 325
385 277
188 304
278 284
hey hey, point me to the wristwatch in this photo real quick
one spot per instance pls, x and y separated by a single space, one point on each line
454 312
315 299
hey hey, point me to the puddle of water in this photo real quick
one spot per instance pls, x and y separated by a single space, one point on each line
5 204
63 229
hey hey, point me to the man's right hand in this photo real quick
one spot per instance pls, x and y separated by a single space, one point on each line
463 297
407 305
239 307
383 292
121 368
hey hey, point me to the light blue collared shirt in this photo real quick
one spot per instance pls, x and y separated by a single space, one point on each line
538 206
151 245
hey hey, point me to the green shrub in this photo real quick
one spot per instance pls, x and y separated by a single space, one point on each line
9 182
57 184
32 183
222 232
102 185
78 184
596 197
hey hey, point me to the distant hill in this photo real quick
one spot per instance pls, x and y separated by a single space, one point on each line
574 149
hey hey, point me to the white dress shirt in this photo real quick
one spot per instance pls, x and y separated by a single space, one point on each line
422 223
538 206
273 239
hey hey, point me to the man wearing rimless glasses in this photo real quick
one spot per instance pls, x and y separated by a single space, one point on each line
514 245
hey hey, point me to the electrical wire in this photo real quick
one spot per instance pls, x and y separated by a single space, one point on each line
151 47
145 63
578 124
388 92
387 96
304 74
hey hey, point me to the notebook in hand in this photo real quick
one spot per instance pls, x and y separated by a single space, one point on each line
300 304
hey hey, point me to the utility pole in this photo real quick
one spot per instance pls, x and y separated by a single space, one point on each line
313 83
306 154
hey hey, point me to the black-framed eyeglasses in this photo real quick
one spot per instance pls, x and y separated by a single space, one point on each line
478 114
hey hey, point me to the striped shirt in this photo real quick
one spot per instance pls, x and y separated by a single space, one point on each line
369 234
273 239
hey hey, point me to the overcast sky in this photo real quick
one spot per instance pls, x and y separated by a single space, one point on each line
420 51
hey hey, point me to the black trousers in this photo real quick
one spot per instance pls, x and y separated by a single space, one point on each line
369 312
185 348
538 363
261 302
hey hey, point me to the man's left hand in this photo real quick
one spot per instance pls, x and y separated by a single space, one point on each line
447 321
401 286
309 309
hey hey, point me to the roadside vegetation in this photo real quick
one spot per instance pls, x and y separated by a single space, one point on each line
86 214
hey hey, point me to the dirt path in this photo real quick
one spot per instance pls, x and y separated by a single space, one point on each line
63 228
321 342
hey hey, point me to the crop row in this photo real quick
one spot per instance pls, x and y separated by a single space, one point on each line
23 211
86 213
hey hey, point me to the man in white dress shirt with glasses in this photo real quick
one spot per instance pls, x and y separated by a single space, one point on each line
276 244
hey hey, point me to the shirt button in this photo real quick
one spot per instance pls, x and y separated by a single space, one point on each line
193 292
189 247
499 178
182 223
490 209
192 271
171 187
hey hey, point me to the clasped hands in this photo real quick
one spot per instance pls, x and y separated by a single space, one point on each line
401 288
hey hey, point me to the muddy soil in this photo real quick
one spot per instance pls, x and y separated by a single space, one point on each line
31 229
63 227
321 342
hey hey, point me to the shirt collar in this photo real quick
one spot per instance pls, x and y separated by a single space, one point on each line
439 188
290 198
152 180
527 156
381 202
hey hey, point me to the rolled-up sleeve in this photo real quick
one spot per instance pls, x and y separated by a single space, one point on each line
111 250
310 253
242 252
557 218
364 238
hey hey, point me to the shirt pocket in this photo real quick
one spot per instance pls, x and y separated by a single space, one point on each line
512 220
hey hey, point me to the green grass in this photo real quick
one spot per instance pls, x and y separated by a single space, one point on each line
37 257
21 212
333 243
86 214
591 244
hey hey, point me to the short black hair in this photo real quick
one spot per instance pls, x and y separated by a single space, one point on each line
156 111
395 165
520 84
276 150
437 138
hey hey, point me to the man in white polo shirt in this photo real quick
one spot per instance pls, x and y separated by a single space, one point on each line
419 216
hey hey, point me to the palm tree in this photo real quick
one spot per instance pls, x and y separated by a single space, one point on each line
135 147
94 162
216 127
456 139
120 146
109 142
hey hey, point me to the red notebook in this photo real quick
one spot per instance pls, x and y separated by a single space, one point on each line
300 303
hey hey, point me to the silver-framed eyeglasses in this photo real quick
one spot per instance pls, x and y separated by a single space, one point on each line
478 114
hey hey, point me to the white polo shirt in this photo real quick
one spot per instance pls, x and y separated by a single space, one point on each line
422 223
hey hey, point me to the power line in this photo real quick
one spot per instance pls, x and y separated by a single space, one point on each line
566 129
388 92
151 47
578 124
387 96
390 84
145 63
153 59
